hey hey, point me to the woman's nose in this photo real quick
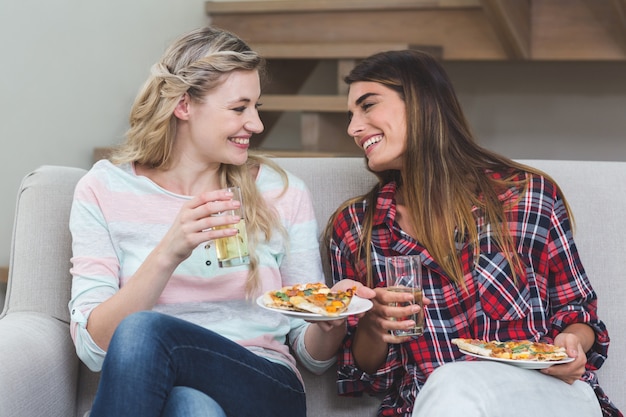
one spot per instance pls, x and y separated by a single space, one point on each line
254 125
354 128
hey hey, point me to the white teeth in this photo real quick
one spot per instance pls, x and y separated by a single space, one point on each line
371 141
240 141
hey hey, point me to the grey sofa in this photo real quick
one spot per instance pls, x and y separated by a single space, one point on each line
41 376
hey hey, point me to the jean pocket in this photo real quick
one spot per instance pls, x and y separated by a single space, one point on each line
501 296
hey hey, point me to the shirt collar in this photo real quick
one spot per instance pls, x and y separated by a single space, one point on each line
386 205
384 216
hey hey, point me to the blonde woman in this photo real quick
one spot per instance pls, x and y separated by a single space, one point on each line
173 333
498 255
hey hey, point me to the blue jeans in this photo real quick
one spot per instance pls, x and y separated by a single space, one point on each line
188 402
151 353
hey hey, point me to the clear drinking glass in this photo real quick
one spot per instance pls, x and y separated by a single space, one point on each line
233 250
404 274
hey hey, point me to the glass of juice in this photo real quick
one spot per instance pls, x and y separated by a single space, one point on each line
233 250
404 274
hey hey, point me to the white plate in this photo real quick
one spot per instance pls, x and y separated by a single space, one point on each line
520 363
357 305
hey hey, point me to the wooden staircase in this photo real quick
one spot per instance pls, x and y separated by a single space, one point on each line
298 36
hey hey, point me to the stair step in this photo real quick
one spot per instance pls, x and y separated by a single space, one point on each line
311 103
319 50
257 6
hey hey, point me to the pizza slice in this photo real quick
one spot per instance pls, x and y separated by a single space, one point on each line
513 349
325 303
314 298
479 347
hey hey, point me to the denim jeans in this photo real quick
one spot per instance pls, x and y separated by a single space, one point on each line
188 402
152 353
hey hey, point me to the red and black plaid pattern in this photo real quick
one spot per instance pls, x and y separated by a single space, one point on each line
551 293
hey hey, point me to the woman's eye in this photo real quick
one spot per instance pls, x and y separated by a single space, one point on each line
240 109
366 106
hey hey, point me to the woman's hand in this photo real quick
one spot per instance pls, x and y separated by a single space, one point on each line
569 372
344 285
383 317
196 223
361 290
373 336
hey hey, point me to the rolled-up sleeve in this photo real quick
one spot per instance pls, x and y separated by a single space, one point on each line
94 270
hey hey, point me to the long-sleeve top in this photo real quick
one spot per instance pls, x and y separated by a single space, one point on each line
551 292
118 218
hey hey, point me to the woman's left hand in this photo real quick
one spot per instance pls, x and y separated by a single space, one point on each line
569 372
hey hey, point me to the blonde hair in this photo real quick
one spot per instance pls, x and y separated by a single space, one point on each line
446 170
195 64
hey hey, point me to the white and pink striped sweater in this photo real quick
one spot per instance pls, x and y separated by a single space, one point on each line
117 218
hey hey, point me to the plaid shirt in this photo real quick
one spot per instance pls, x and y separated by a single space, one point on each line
552 293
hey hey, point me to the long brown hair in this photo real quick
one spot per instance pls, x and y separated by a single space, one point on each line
445 171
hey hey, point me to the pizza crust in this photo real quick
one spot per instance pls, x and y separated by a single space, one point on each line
301 304
471 347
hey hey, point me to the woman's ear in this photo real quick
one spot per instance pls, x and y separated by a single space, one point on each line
181 110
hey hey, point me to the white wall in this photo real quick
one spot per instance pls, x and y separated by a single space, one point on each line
69 70
546 110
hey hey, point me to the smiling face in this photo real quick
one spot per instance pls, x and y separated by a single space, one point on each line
218 129
378 124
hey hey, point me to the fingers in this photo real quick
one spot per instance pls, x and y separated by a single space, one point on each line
391 339
365 292
197 222
210 212
213 202
389 312
386 297
569 372
361 290
386 317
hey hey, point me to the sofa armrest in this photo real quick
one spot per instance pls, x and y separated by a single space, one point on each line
38 367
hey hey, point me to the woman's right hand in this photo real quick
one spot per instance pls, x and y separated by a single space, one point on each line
373 334
384 317
197 223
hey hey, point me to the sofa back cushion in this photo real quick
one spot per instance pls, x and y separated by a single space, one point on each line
41 243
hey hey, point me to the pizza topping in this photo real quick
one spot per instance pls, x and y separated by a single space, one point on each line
513 349
311 298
